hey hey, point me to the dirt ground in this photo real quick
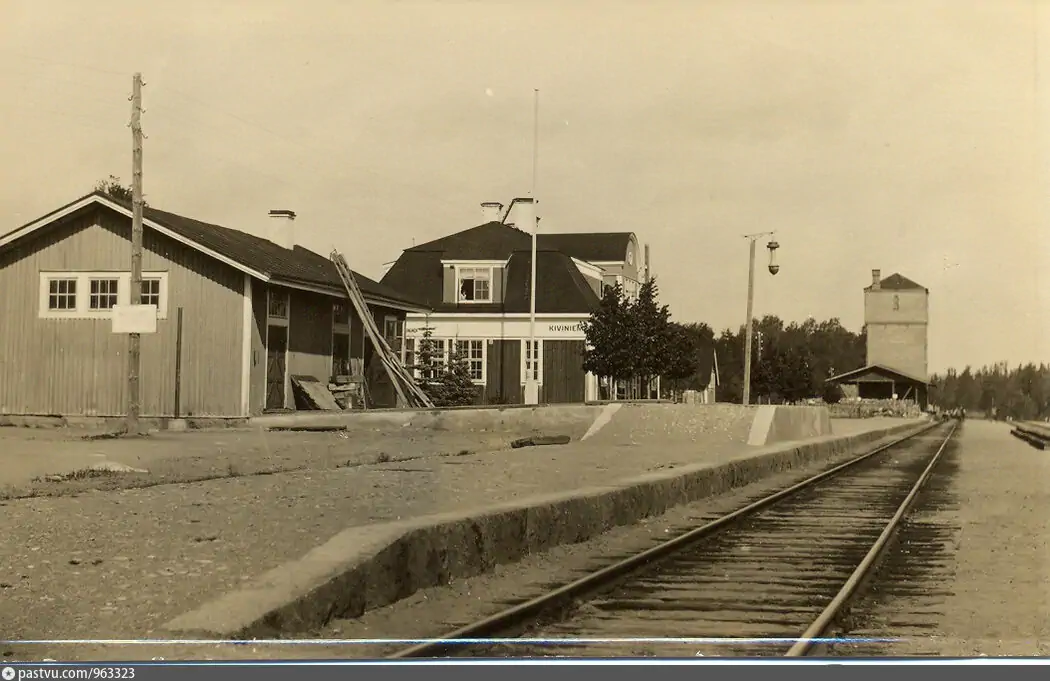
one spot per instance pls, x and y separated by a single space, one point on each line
434 611
117 556
983 582
120 563
38 462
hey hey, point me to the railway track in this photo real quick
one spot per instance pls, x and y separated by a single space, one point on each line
768 579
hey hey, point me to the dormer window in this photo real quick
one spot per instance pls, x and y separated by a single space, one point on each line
475 284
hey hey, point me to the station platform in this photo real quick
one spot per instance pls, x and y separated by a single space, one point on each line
255 556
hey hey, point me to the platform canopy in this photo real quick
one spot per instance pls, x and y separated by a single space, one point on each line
877 373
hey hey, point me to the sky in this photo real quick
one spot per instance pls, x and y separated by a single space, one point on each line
909 136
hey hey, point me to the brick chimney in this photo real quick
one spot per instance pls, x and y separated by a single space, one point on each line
876 279
490 211
282 228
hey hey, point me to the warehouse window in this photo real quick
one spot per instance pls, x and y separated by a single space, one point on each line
62 294
277 305
394 333
150 294
103 293
93 295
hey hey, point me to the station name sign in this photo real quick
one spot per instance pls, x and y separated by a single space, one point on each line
578 326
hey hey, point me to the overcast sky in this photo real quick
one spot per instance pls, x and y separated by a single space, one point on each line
907 136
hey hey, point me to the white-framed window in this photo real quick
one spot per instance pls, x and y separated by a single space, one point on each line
103 293
340 317
277 303
408 356
394 332
531 358
92 295
150 294
473 353
62 294
474 284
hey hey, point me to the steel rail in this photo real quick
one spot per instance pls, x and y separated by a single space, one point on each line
531 609
824 619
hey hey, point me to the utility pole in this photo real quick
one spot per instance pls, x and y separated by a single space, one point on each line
749 326
134 339
532 356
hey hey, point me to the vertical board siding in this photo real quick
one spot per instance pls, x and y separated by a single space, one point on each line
564 379
257 390
504 372
310 335
79 367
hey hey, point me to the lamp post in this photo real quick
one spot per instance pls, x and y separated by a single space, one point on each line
749 326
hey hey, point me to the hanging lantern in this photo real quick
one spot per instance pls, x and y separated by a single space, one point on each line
773 266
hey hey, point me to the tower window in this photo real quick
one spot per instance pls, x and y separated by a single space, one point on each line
896 302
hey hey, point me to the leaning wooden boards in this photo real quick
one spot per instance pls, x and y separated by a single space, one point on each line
408 392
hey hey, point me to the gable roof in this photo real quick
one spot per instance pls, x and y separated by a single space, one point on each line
881 369
896 282
251 254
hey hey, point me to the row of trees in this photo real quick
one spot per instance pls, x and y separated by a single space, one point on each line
789 362
635 340
1021 392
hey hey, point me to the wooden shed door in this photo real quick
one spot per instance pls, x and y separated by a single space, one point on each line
276 346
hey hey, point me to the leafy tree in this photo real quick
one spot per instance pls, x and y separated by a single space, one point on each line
683 347
653 347
832 393
113 188
611 338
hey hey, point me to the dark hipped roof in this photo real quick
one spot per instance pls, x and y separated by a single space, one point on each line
490 241
496 241
895 282
299 265
589 246
560 287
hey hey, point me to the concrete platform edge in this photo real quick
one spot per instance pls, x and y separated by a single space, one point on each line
370 566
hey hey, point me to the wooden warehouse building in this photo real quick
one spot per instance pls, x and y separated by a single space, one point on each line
256 310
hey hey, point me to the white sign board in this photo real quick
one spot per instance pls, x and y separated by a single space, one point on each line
134 319
549 329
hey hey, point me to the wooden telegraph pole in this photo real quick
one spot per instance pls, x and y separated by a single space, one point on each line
134 356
